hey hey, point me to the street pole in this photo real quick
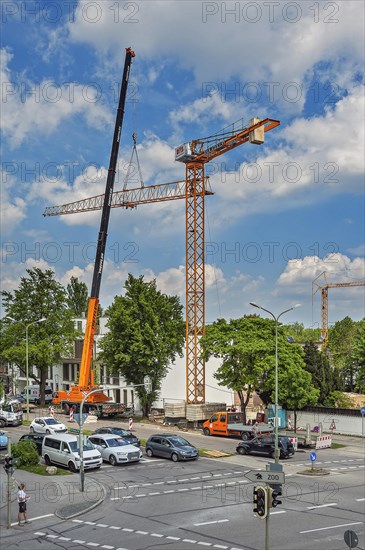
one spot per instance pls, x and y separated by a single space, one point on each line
27 369
27 325
276 319
8 474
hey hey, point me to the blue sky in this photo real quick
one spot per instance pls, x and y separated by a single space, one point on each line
282 213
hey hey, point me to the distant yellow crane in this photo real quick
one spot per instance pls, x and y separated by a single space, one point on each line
324 294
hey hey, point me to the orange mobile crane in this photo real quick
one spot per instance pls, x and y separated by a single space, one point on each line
86 382
193 189
324 295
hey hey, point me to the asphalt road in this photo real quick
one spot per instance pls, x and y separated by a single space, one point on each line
157 504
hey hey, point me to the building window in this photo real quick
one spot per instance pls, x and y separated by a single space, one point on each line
65 371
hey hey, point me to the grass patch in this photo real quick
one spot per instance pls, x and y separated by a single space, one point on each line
40 469
337 445
314 472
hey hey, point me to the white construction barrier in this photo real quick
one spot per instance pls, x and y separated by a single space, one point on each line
324 441
294 440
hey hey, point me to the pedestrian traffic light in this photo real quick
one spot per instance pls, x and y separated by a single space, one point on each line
275 493
260 501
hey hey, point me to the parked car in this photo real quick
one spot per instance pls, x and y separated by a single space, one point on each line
19 398
265 445
3 440
64 450
125 434
47 425
115 449
36 438
170 446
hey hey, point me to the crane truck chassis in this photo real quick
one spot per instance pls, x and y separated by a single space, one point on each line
99 409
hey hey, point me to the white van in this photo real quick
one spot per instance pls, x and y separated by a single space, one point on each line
63 449
34 394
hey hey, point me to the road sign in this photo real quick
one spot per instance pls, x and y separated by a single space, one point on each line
266 477
313 457
362 410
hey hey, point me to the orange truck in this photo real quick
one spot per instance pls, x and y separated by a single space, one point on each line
228 423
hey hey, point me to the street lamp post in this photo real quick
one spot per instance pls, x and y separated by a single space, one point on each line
27 325
276 319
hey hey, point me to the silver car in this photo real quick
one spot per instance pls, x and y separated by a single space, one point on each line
115 449
47 425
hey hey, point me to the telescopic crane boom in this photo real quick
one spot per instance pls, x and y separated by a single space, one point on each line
86 381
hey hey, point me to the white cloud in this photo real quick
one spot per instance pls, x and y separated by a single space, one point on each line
13 209
280 43
30 108
338 267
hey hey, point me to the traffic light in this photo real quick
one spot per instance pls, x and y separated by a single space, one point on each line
275 493
260 501
8 465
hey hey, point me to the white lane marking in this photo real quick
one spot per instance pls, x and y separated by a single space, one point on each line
278 512
210 522
322 506
331 527
359 499
34 519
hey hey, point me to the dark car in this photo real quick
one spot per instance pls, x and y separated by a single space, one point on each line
19 398
171 446
265 445
36 438
125 434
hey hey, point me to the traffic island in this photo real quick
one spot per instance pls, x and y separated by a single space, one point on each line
314 472
81 502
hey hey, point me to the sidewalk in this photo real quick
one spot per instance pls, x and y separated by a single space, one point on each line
50 495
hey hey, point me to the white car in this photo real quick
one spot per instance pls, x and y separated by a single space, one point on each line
47 425
115 449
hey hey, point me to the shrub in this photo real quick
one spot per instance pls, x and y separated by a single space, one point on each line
26 453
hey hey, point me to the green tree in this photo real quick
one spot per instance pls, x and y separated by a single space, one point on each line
77 297
340 346
146 332
358 356
296 389
38 296
247 349
301 334
318 365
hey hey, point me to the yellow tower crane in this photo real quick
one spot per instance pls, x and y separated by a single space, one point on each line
324 296
193 189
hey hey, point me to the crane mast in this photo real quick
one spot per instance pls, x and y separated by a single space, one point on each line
86 381
195 155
